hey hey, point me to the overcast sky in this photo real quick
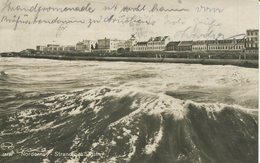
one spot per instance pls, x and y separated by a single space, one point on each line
231 17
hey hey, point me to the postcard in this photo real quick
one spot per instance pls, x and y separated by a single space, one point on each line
116 81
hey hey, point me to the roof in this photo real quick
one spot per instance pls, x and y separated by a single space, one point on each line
173 43
252 30
240 40
211 41
185 43
227 41
53 45
158 38
142 43
201 42
164 38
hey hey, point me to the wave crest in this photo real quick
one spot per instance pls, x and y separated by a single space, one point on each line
126 125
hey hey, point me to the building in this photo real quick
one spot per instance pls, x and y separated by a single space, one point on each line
66 48
69 48
185 46
41 48
61 48
82 47
158 43
179 46
104 44
251 45
128 44
199 46
109 45
172 46
153 44
226 45
52 47
140 46
85 46
121 44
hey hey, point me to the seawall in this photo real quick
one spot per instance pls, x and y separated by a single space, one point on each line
235 62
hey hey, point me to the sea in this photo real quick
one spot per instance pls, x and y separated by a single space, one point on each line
127 112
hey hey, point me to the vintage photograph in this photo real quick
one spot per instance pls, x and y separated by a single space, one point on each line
117 81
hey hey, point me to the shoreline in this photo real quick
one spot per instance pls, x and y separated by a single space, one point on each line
234 62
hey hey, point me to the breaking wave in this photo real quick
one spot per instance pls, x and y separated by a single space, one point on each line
126 125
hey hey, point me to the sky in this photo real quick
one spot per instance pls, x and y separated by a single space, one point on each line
202 19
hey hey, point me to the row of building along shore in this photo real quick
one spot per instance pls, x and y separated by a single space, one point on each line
247 44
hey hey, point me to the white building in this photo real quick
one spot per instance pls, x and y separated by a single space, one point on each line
158 43
109 45
153 44
199 46
129 44
252 41
140 46
41 48
226 45
53 47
